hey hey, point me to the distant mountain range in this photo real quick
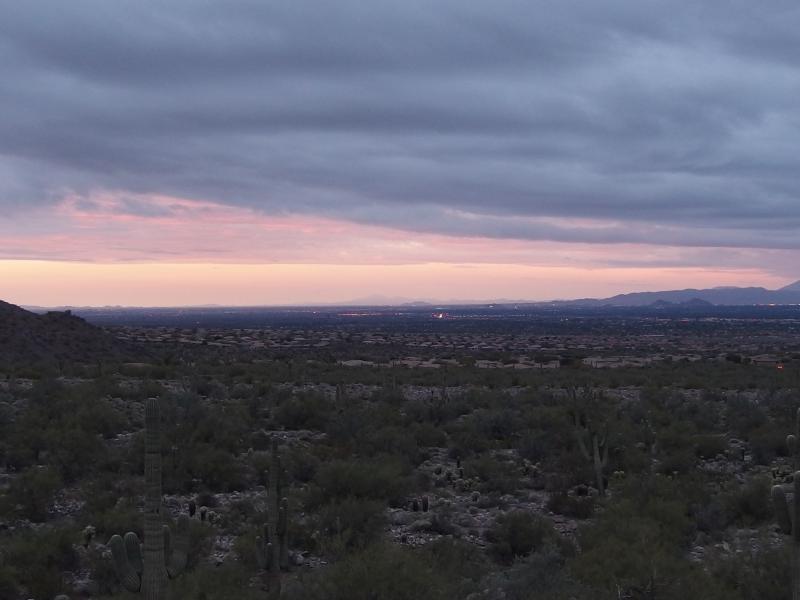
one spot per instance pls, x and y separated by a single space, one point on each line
27 337
717 296
720 296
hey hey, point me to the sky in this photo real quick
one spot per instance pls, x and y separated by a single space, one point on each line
251 152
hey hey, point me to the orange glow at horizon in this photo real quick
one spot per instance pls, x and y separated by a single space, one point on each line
53 283
149 250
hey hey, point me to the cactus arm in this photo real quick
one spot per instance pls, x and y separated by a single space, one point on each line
272 546
795 514
283 535
274 573
795 510
781 507
273 499
179 555
598 463
579 431
133 550
797 422
167 541
125 570
262 556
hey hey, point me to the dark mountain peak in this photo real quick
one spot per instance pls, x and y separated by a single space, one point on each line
691 297
8 309
57 336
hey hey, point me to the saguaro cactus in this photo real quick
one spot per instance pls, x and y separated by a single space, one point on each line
593 429
791 442
272 547
788 515
147 567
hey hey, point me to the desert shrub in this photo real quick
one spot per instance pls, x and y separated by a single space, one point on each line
711 516
629 561
392 440
62 428
350 523
496 424
216 468
542 576
305 411
535 445
216 584
38 559
437 411
427 435
750 504
31 492
463 560
762 572
768 442
743 416
679 461
374 479
383 571
466 441
517 534
578 507
709 446
301 464
639 541
8 582
208 388
441 524
704 414
495 475
206 499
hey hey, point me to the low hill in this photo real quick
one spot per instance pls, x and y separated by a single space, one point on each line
721 296
27 337
792 287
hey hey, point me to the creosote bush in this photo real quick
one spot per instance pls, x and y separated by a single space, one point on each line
518 533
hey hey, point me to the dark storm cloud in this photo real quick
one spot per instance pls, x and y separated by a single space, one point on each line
605 122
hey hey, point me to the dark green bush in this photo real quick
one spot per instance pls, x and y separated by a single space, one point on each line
384 479
32 491
350 523
517 534
382 572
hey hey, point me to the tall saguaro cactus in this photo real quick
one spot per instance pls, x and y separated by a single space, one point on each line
792 440
591 428
272 548
788 514
147 567
597 455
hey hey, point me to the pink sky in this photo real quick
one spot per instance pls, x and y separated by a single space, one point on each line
155 250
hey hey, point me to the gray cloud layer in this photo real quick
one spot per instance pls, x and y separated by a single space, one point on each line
660 122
